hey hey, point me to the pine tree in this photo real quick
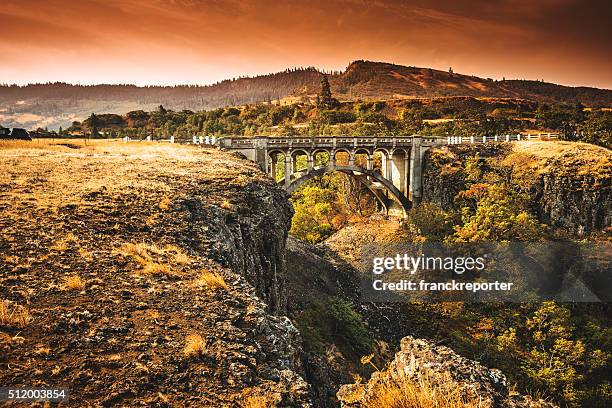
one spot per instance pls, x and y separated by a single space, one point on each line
93 122
325 99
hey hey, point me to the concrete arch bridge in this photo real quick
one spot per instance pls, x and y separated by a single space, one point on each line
390 167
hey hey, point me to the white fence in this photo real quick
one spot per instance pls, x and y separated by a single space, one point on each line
500 138
199 140
451 140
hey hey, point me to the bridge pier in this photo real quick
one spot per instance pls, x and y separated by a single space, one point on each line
273 167
351 158
294 168
287 170
398 176
417 153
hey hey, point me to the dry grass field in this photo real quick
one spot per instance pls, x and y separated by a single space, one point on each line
113 278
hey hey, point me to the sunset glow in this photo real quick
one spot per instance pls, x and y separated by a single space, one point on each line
201 42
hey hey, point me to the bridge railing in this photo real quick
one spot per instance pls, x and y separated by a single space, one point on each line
241 142
500 138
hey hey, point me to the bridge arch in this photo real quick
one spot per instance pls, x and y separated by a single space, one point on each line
361 150
274 159
299 152
295 154
368 177
363 158
318 151
342 150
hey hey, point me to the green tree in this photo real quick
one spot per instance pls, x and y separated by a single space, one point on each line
94 123
492 212
325 100
312 221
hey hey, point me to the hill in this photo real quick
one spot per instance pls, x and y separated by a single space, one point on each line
380 80
58 104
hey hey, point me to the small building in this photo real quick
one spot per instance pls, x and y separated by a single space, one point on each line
16 134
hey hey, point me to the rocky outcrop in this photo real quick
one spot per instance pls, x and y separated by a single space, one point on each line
570 184
420 360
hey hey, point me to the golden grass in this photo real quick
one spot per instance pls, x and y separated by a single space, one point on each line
13 315
532 158
153 314
156 268
42 350
50 175
259 401
85 254
74 282
195 345
143 253
11 259
211 279
64 243
226 205
422 393
164 204
178 256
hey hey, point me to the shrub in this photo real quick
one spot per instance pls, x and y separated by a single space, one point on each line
74 282
147 256
211 280
63 243
332 117
422 393
349 326
195 345
13 315
431 221
495 213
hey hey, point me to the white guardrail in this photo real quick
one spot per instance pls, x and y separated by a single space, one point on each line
500 138
451 140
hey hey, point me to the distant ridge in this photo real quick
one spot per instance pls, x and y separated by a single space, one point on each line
361 80
55 104
380 80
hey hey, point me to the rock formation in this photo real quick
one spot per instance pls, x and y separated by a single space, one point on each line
419 359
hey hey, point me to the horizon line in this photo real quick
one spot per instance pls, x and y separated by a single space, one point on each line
256 75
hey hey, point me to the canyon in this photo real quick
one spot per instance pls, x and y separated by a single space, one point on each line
145 226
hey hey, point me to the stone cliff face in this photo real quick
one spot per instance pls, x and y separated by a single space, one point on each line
570 184
573 203
248 235
420 361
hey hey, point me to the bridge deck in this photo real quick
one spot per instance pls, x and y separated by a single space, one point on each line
334 142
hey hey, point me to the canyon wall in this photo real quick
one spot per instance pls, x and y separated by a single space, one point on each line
569 184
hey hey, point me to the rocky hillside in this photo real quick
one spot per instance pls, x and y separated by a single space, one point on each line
570 184
133 274
420 368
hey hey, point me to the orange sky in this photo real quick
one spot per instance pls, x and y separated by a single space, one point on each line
202 41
